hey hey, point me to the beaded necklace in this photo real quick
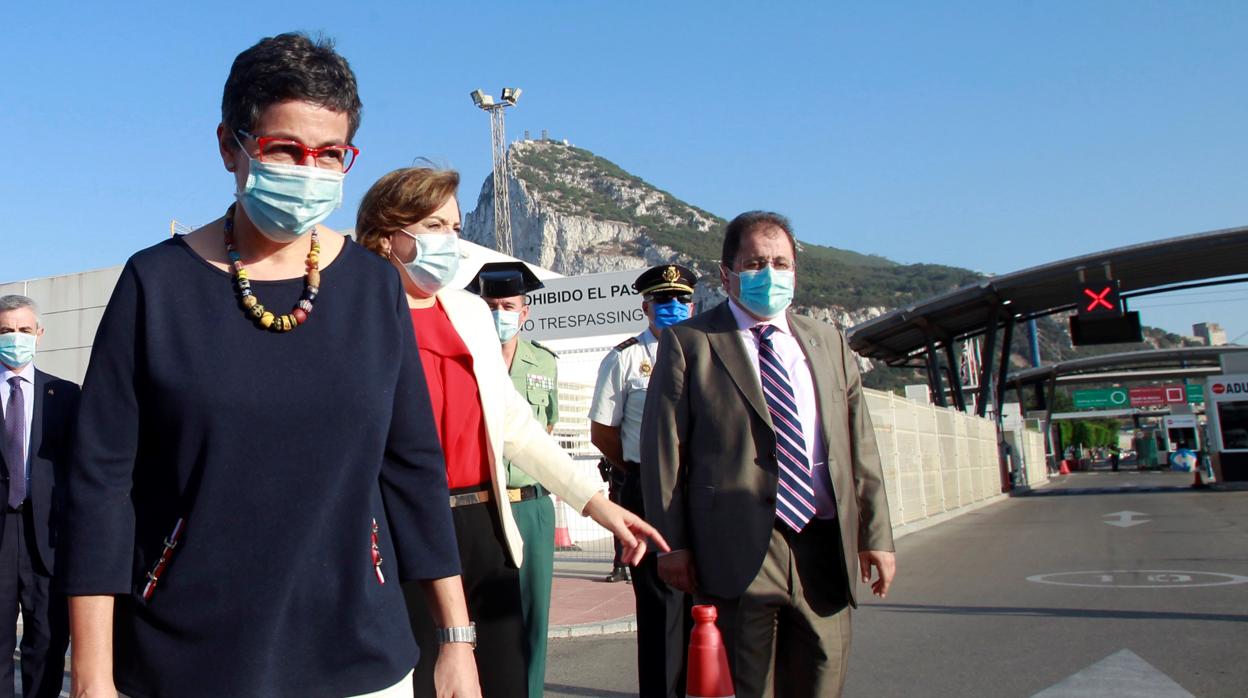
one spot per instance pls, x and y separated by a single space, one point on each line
247 299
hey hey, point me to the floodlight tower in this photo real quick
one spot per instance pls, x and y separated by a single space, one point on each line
498 137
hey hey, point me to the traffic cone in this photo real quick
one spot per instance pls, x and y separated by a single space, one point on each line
563 541
1064 470
709 676
1197 480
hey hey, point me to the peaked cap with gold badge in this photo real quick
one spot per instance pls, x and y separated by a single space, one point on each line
666 279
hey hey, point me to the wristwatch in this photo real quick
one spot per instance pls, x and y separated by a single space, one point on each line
462 633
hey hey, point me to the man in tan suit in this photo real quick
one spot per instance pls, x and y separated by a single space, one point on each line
762 472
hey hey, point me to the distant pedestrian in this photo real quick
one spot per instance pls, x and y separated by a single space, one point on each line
760 466
615 413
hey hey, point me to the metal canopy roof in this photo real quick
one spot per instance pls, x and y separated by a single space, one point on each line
1163 361
1147 374
1049 288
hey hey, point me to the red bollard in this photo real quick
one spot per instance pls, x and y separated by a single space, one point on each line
709 676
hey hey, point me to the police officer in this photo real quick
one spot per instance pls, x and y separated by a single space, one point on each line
503 285
614 477
663 619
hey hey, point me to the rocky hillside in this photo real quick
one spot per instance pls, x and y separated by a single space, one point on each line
577 213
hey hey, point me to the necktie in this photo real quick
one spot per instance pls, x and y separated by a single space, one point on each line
15 442
794 496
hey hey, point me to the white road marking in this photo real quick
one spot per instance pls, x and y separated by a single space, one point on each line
1139 579
1126 519
1120 675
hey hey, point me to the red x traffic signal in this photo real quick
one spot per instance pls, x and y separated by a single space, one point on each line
1099 299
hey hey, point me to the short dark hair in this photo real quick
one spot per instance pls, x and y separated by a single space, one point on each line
286 67
747 223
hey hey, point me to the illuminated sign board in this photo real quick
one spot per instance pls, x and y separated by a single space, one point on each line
1099 299
1228 388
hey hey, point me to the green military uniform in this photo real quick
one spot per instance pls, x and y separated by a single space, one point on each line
535 376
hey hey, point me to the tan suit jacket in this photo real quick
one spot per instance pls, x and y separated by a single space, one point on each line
708 449
509 423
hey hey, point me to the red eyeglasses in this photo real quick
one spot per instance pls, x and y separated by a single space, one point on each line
283 151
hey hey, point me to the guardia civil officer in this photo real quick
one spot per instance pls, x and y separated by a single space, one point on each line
504 287
663 619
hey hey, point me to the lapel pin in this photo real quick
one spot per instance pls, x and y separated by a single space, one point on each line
51 391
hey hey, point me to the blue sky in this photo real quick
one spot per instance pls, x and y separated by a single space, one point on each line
991 135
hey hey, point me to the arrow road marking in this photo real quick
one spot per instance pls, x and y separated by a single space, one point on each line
1126 519
1120 674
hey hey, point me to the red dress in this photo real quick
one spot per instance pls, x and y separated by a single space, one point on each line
455 398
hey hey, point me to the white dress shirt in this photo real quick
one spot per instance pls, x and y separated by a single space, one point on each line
795 364
620 393
27 374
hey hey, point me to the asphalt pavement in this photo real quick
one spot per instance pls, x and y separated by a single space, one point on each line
1100 584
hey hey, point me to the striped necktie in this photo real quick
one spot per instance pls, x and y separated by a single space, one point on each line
15 442
794 495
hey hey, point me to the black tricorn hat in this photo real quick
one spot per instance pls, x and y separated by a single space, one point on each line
666 278
504 280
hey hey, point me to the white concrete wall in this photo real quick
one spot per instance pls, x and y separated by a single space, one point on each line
70 308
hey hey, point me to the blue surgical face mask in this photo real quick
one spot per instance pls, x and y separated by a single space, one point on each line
765 292
669 312
17 349
507 322
437 260
286 201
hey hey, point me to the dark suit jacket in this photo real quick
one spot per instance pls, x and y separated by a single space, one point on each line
51 431
708 449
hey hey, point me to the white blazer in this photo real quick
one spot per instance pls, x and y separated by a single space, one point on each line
510 427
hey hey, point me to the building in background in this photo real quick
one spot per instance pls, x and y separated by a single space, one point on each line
1211 332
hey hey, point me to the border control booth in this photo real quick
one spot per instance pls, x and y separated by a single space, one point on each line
1228 426
1092 290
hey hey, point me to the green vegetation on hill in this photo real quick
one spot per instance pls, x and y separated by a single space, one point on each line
577 182
830 276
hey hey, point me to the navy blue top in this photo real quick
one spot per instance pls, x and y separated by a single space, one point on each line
279 450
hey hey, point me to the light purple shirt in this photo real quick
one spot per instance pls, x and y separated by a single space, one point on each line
27 374
795 364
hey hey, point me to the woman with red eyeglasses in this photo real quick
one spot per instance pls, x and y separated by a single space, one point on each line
256 468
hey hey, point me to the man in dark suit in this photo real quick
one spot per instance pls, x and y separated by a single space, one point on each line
761 470
39 411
